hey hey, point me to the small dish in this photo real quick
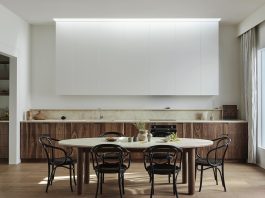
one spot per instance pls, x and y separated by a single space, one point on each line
111 139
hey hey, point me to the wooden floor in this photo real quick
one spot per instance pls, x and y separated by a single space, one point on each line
28 180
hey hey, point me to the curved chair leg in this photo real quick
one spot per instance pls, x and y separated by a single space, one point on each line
215 175
98 178
49 178
201 178
120 184
174 186
223 178
123 191
70 172
152 185
74 174
101 181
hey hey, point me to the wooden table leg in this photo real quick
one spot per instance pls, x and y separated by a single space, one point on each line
184 167
191 172
80 161
87 162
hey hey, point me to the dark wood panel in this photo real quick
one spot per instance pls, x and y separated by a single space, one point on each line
207 131
117 127
4 140
130 130
179 128
187 130
30 148
238 148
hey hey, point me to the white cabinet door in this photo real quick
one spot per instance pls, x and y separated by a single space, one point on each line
137 58
188 66
162 58
209 58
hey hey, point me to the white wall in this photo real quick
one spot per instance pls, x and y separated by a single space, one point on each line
43 79
260 45
251 21
14 42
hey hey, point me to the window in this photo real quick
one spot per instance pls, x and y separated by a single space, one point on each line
261 109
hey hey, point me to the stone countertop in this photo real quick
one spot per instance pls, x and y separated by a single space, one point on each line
133 121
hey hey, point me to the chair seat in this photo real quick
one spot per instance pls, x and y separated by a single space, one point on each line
204 162
62 161
110 168
163 169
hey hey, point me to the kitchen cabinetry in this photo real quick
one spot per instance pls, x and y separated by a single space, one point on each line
4 77
238 149
156 60
4 134
31 149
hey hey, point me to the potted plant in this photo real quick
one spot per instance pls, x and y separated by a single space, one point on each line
141 126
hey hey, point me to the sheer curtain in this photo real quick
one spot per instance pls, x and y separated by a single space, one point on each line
249 62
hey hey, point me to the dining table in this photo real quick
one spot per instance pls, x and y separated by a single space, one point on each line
84 145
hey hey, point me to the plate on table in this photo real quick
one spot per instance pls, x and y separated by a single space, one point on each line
111 139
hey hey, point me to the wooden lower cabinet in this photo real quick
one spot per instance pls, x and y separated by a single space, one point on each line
30 148
31 131
238 148
238 133
4 139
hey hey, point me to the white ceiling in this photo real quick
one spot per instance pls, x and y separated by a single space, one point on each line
43 11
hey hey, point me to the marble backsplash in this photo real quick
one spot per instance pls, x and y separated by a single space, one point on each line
125 114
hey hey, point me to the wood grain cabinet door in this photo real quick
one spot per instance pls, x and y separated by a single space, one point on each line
238 148
4 140
208 131
116 127
30 148
130 130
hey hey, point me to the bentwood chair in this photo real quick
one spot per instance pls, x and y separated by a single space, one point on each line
111 134
118 163
170 164
214 160
57 157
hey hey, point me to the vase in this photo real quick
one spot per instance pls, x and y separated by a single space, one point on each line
142 135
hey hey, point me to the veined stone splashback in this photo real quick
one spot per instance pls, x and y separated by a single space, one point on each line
127 114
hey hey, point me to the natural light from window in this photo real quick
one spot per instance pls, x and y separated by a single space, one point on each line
261 71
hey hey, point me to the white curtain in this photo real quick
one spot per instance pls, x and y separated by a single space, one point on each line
249 62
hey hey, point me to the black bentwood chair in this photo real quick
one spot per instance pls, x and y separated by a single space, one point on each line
214 160
170 164
118 163
111 134
57 157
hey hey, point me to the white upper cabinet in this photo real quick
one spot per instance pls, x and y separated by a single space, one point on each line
137 58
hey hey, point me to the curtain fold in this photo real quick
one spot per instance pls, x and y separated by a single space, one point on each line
249 62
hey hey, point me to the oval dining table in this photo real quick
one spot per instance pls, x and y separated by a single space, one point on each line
84 145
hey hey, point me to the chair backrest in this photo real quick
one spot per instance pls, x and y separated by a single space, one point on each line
50 148
218 150
163 154
111 134
111 154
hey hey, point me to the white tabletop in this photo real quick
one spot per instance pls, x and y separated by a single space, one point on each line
123 141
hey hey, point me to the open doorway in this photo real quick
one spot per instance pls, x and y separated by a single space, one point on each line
4 108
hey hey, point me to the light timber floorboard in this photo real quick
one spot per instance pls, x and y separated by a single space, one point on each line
28 180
